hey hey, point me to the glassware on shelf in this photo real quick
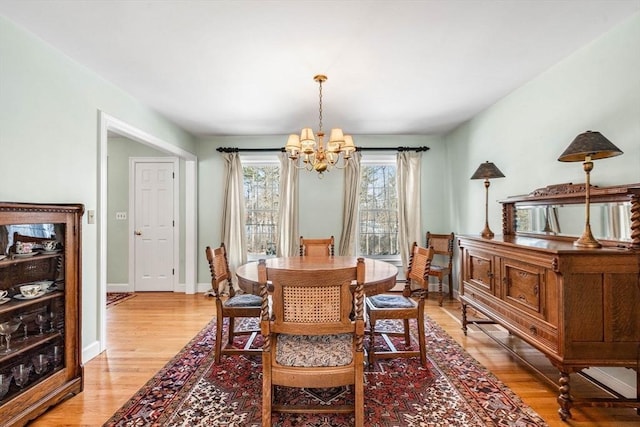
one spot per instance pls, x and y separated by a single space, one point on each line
6 329
58 351
40 363
5 382
52 321
21 374
41 320
23 319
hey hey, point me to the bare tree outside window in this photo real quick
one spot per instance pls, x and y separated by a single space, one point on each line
378 230
261 191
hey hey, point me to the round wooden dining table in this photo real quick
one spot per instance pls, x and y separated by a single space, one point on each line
379 276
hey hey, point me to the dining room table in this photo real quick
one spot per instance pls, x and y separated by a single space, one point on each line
379 276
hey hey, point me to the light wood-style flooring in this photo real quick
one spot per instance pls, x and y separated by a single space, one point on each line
145 332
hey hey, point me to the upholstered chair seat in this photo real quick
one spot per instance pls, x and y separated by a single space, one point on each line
243 300
314 350
392 301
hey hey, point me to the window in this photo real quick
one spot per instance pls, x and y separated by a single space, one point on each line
378 220
261 194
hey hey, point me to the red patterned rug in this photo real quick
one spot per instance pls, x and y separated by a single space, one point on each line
114 298
455 390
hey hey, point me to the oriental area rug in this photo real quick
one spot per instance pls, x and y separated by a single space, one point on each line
454 390
114 298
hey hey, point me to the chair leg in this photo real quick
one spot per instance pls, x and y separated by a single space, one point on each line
441 296
421 337
232 330
407 335
267 397
450 287
218 345
358 391
372 328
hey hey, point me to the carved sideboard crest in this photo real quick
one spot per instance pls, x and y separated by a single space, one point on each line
560 189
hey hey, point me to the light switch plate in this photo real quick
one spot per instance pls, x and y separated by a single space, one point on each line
91 217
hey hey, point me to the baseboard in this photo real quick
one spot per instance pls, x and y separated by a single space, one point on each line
616 379
90 351
119 287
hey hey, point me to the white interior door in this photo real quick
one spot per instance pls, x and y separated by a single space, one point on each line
154 225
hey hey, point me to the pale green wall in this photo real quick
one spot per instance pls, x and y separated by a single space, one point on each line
596 88
320 206
49 117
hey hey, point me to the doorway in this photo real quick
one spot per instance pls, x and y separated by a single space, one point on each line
110 125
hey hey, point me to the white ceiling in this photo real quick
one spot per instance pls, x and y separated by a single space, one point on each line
247 67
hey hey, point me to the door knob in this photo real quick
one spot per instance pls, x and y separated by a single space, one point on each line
138 233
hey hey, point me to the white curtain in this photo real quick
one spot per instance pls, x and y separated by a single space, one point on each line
233 232
287 241
408 187
350 205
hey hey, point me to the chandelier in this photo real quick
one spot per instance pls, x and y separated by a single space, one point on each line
313 153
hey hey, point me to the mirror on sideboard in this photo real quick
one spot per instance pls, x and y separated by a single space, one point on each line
559 211
610 221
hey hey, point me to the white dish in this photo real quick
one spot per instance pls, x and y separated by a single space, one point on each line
20 296
25 255
2 257
3 300
55 251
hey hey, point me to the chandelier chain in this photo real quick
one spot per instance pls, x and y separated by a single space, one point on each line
320 108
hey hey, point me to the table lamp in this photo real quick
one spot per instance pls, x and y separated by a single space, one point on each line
486 171
586 147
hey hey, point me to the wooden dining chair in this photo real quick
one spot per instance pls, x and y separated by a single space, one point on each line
313 335
442 245
385 306
316 247
236 305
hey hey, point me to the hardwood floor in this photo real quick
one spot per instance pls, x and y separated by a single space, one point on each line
145 332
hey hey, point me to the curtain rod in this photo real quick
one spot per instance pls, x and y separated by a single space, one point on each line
256 150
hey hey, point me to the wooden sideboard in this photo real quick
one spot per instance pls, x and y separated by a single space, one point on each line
577 306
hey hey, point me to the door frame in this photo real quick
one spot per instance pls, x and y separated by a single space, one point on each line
108 124
176 216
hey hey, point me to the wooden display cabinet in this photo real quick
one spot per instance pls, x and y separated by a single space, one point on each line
578 306
45 347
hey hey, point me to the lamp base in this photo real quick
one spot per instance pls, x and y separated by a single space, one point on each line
487 233
587 240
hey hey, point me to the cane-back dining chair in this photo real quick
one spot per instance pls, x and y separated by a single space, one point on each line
316 247
236 305
313 335
403 307
442 245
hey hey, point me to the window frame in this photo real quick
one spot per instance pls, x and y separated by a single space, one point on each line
262 159
377 159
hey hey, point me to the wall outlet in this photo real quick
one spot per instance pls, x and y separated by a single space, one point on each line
121 216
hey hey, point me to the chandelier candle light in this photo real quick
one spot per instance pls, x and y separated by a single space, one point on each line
586 147
314 154
486 171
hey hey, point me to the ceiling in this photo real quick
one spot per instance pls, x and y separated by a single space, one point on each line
247 67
